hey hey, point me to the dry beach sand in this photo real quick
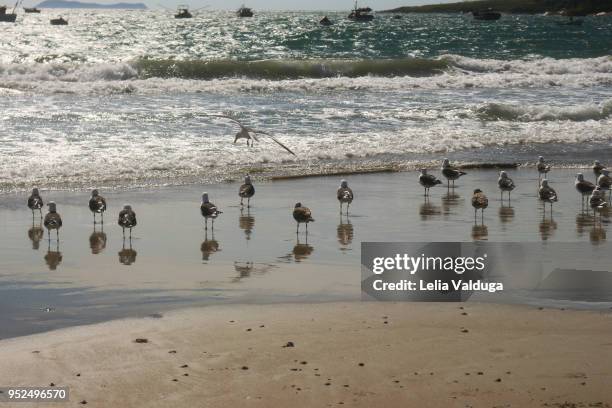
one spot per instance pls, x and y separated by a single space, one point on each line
358 354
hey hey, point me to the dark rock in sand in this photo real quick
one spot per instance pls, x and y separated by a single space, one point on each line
172 352
498 380
184 366
52 385
289 344
245 368
361 364
140 341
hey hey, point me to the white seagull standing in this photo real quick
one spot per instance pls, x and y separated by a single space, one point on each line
248 133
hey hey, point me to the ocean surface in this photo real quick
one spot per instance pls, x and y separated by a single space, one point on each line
121 98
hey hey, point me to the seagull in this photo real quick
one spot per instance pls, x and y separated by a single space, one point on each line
604 181
53 221
451 173
127 219
208 210
428 181
505 183
543 168
35 202
479 202
585 188
250 133
597 168
302 215
247 190
97 205
547 194
597 201
345 195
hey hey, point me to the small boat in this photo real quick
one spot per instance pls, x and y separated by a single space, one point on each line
325 21
31 10
59 21
182 11
244 12
569 22
7 17
488 15
361 14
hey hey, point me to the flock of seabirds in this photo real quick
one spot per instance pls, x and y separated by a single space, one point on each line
593 193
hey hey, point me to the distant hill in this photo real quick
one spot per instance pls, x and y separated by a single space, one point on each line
81 5
513 6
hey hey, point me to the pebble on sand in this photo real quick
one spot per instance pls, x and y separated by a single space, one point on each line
141 340
289 344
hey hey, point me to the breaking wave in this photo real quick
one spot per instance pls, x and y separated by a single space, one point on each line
146 75
521 113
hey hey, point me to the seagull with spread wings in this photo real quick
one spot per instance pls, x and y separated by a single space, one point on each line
251 134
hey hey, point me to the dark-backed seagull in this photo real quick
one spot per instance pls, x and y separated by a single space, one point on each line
208 210
543 168
345 195
428 181
97 205
547 194
505 183
479 202
247 190
35 202
585 188
604 181
597 168
127 219
250 133
53 221
597 201
302 215
451 173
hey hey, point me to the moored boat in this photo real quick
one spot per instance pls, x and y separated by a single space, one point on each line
59 21
488 15
361 13
7 17
182 11
244 12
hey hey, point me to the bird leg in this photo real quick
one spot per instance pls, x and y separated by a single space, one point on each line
241 203
340 207
297 230
102 217
205 224
347 207
249 202
123 229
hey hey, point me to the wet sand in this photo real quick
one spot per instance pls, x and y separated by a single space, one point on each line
353 354
254 256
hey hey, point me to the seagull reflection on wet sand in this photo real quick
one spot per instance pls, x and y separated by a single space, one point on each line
450 201
53 258
345 233
301 251
427 210
209 246
97 240
480 232
248 269
36 234
246 222
127 256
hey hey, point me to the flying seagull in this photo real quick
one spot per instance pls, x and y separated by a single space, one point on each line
345 195
251 134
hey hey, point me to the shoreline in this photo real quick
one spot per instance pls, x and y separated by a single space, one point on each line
444 354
